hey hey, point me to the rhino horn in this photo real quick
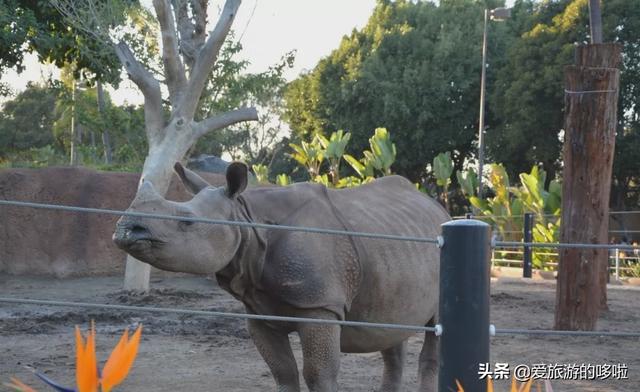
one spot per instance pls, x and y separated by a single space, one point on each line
147 192
193 182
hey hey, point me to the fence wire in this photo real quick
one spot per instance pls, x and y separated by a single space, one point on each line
549 332
560 245
345 323
210 313
496 244
217 221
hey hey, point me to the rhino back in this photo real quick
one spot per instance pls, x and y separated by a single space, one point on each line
357 278
390 205
399 281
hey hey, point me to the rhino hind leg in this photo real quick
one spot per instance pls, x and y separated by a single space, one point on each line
428 363
394 360
276 351
321 354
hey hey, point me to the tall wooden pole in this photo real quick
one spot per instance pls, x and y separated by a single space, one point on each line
591 103
483 78
75 136
595 21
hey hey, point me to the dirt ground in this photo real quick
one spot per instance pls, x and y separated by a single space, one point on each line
193 353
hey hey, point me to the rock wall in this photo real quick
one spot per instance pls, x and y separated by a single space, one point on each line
59 243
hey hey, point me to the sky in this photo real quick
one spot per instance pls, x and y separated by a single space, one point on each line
269 29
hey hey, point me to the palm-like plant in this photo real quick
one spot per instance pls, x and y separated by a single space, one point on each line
310 155
334 150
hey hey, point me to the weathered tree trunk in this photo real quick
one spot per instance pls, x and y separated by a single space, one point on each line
590 124
169 140
106 138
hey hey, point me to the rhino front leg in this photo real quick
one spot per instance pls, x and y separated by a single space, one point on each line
321 354
275 349
428 366
394 359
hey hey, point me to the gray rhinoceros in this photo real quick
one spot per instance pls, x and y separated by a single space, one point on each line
289 273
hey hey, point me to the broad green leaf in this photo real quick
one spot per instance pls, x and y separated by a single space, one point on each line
468 181
478 203
383 150
356 165
283 179
349 182
443 168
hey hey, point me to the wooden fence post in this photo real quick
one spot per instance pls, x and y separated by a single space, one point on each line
591 103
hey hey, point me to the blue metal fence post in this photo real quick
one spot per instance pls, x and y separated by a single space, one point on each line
527 237
464 304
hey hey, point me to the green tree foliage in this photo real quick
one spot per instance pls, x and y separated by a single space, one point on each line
37 26
125 123
414 69
26 121
35 128
528 94
623 25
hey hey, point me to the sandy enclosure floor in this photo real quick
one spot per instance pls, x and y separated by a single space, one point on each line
194 353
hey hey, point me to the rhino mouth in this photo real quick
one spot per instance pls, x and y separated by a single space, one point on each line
135 238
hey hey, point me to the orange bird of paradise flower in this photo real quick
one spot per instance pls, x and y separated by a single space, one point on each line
88 377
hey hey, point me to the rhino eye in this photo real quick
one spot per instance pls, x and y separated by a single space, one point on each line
186 223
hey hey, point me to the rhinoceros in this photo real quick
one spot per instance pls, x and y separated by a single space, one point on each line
291 273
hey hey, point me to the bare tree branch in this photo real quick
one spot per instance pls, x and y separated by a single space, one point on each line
207 57
224 120
199 9
150 88
192 36
185 28
173 69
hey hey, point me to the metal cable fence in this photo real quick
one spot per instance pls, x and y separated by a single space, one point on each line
345 323
437 330
513 249
316 230
209 313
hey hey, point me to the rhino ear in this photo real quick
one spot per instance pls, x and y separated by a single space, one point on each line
193 182
237 174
